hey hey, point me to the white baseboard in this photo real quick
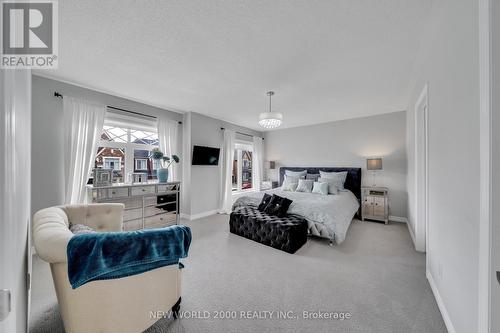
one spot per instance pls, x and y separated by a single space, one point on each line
398 219
412 234
440 303
199 215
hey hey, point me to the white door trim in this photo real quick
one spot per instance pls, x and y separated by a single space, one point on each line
421 220
485 122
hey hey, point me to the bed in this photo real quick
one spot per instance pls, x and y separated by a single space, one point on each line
328 216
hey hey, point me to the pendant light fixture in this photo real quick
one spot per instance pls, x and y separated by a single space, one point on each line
270 119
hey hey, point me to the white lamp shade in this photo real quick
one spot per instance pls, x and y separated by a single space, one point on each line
270 119
374 163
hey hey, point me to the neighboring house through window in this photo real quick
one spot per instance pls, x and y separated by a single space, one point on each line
242 167
125 145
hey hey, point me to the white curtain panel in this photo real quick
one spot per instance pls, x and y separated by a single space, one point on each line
227 172
167 136
83 122
258 162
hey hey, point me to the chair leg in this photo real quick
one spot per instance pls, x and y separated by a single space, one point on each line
176 308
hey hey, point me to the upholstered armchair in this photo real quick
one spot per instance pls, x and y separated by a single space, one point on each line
117 305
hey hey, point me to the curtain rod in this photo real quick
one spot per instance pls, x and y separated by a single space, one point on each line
222 128
56 94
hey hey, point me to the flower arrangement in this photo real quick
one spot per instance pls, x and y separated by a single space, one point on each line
165 162
157 154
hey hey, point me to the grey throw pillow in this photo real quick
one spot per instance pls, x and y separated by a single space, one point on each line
337 175
80 229
305 185
333 184
320 188
313 176
296 174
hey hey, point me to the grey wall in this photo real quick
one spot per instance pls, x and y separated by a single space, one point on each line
495 165
348 143
15 215
47 186
449 64
205 181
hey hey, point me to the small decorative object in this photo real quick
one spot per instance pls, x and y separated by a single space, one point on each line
165 162
374 164
270 119
139 177
103 177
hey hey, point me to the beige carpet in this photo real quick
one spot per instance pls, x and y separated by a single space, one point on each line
375 275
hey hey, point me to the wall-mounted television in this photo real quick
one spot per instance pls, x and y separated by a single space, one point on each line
205 155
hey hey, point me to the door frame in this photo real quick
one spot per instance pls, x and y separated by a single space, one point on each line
485 270
422 185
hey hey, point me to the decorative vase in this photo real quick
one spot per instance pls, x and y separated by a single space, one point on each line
162 175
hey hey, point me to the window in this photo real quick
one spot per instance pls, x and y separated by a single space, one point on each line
112 162
125 148
242 167
141 164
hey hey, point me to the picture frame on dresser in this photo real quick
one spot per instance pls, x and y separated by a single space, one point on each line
102 177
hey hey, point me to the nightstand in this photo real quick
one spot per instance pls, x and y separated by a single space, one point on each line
375 204
267 185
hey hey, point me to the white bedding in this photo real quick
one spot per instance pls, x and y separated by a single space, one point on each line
333 211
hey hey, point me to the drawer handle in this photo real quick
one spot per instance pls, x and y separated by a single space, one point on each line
113 192
143 190
161 218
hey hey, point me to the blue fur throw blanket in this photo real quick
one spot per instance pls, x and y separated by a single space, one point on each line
112 255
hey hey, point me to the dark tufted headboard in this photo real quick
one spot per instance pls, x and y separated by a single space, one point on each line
352 182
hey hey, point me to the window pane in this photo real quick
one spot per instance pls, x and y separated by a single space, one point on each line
235 171
143 137
111 158
246 172
143 164
114 134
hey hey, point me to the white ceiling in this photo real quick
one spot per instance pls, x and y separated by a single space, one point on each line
326 60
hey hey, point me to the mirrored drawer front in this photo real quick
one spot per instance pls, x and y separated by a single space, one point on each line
160 220
141 190
378 206
166 188
132 214
167 202
150 211
99 194
131 203
151 200
132 225
118 192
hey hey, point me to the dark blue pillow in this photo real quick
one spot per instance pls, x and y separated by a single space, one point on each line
278 206
264 202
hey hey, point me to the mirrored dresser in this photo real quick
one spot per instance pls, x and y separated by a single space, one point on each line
147 205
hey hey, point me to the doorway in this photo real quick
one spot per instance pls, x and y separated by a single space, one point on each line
421 170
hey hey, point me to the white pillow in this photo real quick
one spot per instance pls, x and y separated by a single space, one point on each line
296 174
333 184
320 188
342 175
290 183
305 185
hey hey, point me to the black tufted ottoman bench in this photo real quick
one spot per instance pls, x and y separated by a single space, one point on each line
283 233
